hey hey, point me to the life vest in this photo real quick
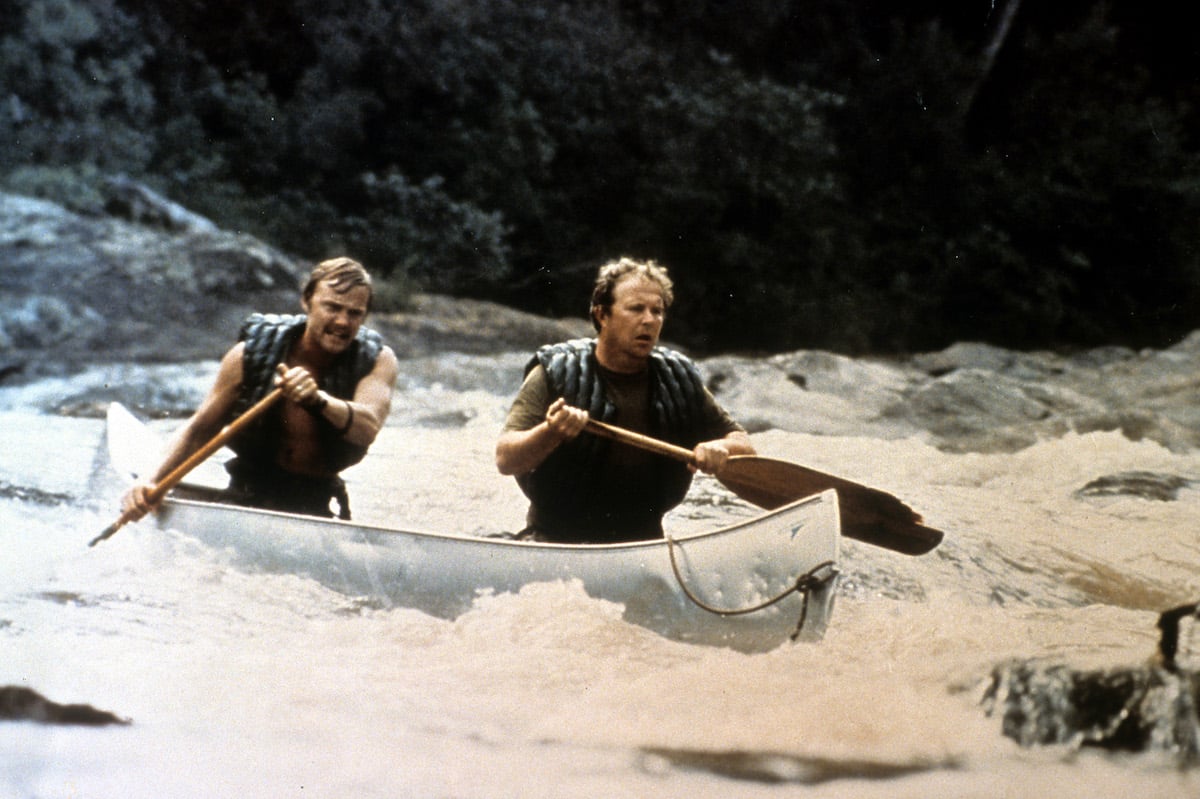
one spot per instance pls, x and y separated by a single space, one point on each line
676 415
267 340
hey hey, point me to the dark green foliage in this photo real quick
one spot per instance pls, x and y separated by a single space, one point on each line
72 88
739 194
816 174
421 233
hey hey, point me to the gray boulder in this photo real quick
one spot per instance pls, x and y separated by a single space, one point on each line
76 289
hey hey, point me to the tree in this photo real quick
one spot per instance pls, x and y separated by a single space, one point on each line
70 76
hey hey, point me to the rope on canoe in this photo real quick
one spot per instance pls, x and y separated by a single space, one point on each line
814 578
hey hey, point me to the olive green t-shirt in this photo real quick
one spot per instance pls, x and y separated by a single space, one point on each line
624 503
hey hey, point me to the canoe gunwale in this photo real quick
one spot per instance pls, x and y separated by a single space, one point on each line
352 525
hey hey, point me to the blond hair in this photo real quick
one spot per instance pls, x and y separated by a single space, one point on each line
342 274
613 272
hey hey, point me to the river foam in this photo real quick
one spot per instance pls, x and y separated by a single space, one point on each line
246 683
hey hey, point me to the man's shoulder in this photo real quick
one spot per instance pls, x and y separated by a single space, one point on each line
387 357
529 406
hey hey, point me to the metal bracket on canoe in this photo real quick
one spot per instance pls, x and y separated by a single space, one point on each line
815 577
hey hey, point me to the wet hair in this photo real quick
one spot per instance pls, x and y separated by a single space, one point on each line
614 271
341 274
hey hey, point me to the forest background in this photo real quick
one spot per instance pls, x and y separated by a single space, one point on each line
863 176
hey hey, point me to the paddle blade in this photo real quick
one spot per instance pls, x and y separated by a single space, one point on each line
868 514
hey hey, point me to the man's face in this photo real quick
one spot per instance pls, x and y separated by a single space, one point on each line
630 328
333 318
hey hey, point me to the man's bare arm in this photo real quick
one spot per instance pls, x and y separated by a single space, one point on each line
205 423
522 451
372 402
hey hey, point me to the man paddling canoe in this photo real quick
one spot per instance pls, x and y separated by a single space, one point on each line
586 489
336 379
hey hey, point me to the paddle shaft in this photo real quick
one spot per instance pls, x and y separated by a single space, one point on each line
642 442
156 494
868 514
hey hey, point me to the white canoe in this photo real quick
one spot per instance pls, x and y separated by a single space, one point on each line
750 586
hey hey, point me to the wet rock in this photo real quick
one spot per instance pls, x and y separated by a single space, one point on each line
155 283
1132 710
447 420
988 358
1189 344
154 391
77 289
437 324
42 322
9 370
18 703
128 199
813 392
779 767
1147 485
971 397
1146 708
35 495
972 406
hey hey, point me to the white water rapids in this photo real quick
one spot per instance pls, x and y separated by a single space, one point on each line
244 684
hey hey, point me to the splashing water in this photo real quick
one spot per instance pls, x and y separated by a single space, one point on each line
242 683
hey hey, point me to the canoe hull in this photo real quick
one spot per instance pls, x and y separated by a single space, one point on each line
662 585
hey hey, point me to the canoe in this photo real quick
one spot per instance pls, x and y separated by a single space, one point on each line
750 586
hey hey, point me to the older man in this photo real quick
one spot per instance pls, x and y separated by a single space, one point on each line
586 489
337 379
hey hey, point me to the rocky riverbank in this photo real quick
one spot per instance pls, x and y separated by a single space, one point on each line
153 283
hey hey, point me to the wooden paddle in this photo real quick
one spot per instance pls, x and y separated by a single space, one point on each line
195 459
868 514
